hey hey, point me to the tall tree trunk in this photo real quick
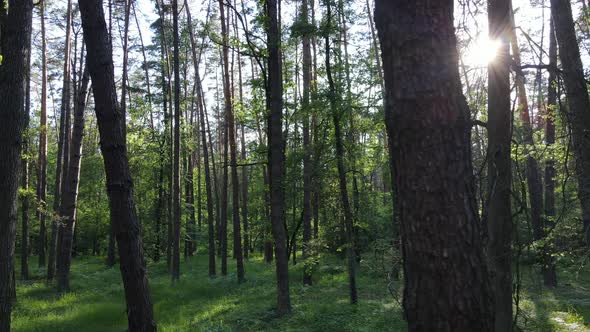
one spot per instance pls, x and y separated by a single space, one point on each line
63 148
276 155
230 125
176 180
119 182
127 11
548 268
24 249
348 215
42 159
535 187
208 186
69 196
25 165
578 117
429 127
145 67
244 186
499 215
307 171
15 44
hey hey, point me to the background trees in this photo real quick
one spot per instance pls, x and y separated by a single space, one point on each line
288 114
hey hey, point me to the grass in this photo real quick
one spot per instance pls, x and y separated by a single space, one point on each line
198 303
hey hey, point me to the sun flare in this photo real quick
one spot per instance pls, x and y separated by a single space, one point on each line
481 52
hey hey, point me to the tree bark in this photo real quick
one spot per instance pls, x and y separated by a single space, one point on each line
42 159
345 201
534 185
429 126
208 186
578 117
16 25
176 162
25 165
276 155
230 125
119 183
307 170
548 268
499 215
69 198
63 148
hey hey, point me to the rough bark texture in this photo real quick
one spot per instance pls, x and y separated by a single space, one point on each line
578 116
499 215
69 197
428 121
276 156
119 183
15 25
548 267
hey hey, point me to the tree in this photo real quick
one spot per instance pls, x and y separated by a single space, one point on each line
119 183
176 162
276 155
208 186
69 197
42 159
15 45
342 182
578 117
63 147
25 166
533 176
230 124
499 215
307 170
428 124
548 268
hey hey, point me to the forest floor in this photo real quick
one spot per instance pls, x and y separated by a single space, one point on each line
197 303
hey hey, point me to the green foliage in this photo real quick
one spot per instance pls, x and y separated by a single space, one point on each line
197 303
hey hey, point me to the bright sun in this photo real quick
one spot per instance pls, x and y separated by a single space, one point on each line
481 52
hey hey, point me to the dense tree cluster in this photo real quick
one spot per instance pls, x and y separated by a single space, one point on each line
331 127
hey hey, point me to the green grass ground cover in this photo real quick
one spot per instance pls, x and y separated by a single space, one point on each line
197 303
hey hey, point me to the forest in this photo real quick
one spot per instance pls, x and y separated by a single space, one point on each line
295 165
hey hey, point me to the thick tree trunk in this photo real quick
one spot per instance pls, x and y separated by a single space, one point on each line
578 117
15 41
499 215
69 198
276 155
429 125
548 268
42 159
119 182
